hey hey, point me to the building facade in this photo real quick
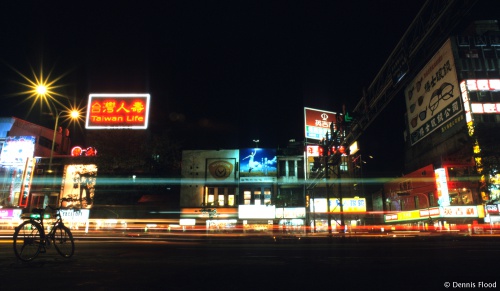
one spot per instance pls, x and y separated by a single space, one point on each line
252 190
451 141
22 143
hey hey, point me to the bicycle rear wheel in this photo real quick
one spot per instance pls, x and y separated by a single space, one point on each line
27 240
63 241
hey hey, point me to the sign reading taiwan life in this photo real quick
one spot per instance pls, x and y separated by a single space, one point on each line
433 97
117 111
258 165
317 122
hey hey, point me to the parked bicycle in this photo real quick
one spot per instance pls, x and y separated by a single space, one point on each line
30 238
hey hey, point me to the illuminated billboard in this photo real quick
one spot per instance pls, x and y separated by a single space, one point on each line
79 184
433 97
442 187
471 211
17 150
317 122
349 205
482 85
117 111
256 211
258 165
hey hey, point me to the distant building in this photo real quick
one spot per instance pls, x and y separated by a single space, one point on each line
21 143
259 190
452 143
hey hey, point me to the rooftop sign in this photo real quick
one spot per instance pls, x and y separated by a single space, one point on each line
117 111
317 122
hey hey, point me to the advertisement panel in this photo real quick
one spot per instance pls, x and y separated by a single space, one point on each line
256 164
256 211
17 150
291 212
117 111
349 205
470 211
433 97
79 184
442 187
221 170
317 122
483 85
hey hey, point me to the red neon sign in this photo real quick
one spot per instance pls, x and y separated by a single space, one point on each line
117 111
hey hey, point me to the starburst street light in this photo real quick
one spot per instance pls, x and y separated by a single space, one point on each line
72 114
41 89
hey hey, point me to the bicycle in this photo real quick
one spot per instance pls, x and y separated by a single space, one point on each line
30 238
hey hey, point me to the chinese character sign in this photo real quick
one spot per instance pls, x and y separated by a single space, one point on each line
433 97
317 122
117 111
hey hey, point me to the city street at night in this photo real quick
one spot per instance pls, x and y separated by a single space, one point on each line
250 145
402 263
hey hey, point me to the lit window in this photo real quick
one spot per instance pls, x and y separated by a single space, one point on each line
247 197
257 197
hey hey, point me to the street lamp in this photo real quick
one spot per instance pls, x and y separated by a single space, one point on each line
74 114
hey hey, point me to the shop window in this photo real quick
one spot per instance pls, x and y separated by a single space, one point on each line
343 166
257 197
220 199
210 200
220 196
247 197
267 196
230 196
210 196
230 200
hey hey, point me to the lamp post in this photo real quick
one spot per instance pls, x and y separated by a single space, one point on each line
74 114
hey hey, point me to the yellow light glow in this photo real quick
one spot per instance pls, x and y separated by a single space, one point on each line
74 114
41 89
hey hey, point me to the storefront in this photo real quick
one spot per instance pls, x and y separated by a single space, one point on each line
446 218
257 218
351 213
215 220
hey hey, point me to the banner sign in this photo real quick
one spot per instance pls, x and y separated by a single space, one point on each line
117 111
433 97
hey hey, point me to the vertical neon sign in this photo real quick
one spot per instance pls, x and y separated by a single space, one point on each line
442 187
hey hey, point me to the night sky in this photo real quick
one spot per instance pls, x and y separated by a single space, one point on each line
220 73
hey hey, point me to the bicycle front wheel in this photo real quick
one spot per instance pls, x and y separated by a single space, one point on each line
63 241
27 240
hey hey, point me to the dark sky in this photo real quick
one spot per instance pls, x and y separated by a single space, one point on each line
221 73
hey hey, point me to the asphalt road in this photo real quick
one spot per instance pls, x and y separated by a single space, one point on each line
246 264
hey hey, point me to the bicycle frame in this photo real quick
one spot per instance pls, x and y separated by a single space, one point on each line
31 238
43 234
